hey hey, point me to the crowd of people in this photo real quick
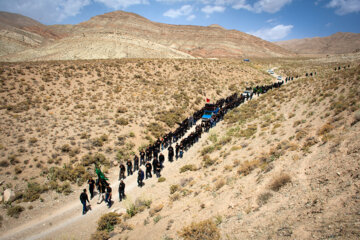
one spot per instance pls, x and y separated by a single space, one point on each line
176 143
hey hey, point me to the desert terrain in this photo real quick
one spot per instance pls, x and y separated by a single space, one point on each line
283 165
279 166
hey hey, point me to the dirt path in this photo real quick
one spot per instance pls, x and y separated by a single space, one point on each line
68 222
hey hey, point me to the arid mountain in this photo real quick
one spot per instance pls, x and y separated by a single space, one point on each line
18 33
121 34
338 43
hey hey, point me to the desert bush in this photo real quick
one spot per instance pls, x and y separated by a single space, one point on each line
4 163
18 170
122 121
157 219
156 129
207 161
97 158
204 230
263 198
108 221
122 110
100 235
156 209
247 167
171 117
279 181
219 183
174 188
137 207
65 148
208 150
326 128
188 167
14 211
161 179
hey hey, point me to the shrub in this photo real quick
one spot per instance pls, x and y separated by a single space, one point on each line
122 121
15 211
326 128
219 183
137 207
157 219
174 188
279 181
188 167
108 221
161 179
100 235
204 230
246 167
122 110
156 209
66 148
4 163
207 161
263 198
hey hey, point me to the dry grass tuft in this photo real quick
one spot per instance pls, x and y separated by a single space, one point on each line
204 230
279 181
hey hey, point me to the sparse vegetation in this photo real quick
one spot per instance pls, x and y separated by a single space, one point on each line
204 230
279 181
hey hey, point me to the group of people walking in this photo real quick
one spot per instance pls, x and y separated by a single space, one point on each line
152 157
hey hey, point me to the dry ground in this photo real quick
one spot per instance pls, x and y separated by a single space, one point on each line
282 166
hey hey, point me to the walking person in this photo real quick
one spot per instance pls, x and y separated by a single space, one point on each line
83 199
142 157
101 189
129 167
108 195
136 163
121 190
148 170
91 183
122 172
157 168
140 178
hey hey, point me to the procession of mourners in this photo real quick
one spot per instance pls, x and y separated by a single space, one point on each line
150 161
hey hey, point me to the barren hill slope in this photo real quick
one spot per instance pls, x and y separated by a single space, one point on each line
337 43
121 34
211 41
18 33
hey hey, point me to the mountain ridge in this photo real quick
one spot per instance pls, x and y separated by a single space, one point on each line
337 43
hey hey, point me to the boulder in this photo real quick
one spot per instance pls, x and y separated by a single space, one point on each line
115 163
9 195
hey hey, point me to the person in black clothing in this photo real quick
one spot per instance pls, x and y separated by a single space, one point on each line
161 159
136 163
121 190
157 168
140 178
154 163
91 183
170 153
108 195
142 157
148 170
83 199
129 167
177 148
122 171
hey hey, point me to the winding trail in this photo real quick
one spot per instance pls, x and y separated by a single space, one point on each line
67 222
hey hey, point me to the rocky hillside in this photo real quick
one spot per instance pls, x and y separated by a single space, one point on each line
338 43
18 33
279 167
126 35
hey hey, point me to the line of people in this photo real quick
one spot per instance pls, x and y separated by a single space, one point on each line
152 157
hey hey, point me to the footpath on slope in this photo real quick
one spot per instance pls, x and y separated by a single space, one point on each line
68 222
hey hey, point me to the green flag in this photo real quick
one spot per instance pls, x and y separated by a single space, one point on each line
100 174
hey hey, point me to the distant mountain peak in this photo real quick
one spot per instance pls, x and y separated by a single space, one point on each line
216 26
